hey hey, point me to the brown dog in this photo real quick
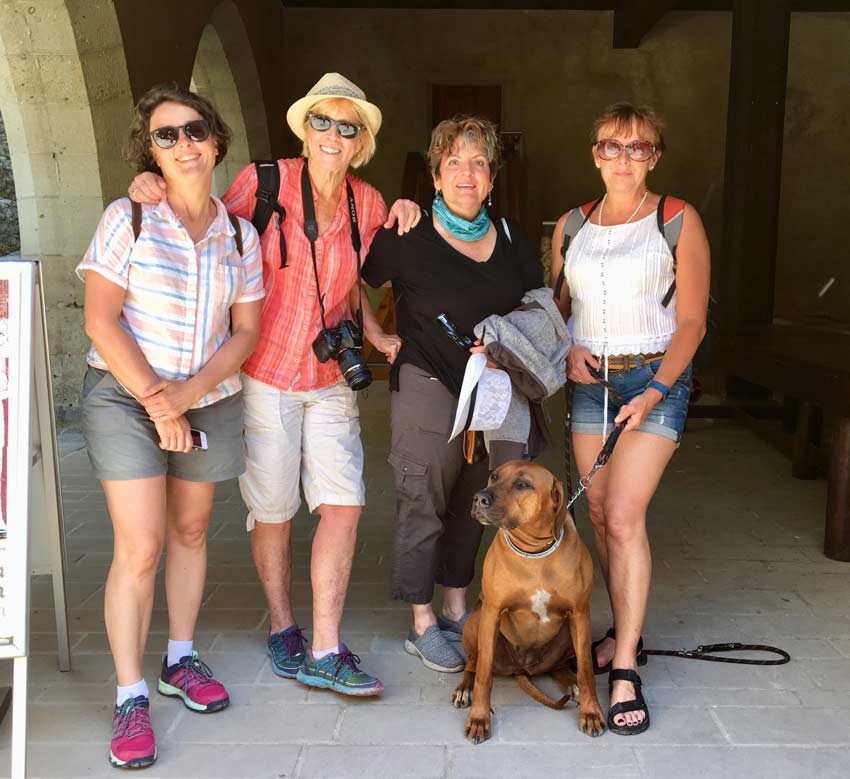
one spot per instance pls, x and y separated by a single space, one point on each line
532 615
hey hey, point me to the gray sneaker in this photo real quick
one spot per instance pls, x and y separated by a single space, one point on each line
452 631
436 652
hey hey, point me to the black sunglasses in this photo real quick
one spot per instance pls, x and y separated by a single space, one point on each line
166 137
322 123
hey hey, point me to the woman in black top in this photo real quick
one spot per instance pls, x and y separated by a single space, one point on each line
461 264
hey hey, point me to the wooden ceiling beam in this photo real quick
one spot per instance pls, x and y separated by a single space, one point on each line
633 20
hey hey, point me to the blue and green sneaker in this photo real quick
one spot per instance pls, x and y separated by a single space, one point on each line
339 672
287 650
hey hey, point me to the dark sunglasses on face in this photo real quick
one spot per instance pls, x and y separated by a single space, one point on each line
639 151
321 123
166 137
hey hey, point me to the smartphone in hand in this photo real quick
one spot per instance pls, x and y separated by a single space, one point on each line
199 439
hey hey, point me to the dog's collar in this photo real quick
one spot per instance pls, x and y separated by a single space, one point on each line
532 555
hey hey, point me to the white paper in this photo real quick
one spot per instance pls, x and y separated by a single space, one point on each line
491 401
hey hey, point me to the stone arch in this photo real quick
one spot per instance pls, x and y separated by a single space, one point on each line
65 99
226 73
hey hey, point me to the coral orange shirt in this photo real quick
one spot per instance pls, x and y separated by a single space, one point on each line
290 320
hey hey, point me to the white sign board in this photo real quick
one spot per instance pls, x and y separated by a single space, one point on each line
30 506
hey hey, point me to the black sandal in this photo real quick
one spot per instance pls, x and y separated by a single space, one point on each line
637 704
641 657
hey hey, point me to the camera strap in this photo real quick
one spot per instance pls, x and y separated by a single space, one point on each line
311 230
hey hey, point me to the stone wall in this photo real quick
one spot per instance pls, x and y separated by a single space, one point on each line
10 237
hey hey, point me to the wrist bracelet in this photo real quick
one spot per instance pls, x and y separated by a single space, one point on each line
659 387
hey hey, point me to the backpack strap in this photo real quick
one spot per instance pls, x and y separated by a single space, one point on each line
575 221
136 209
268 203
237 235
507 230
670 215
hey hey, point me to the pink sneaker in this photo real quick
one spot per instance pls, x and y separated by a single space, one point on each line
133 744
191 679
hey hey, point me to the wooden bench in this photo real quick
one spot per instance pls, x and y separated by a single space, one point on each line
810 364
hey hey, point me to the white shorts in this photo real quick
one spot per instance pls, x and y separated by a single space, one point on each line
311 436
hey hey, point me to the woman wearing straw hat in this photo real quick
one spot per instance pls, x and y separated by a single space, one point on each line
301 416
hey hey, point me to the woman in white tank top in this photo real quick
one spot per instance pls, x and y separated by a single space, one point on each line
615 282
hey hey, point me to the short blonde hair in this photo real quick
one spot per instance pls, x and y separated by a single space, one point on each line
366 138
623 115
475 130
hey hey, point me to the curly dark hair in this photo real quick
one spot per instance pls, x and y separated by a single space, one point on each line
138 150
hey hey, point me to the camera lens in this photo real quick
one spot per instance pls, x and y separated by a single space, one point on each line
354 369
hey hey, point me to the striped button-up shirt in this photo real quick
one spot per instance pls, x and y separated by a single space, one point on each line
290 322
178 293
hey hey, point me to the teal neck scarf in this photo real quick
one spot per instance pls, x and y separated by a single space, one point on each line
459 227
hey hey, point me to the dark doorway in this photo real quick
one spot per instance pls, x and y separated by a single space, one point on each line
450 99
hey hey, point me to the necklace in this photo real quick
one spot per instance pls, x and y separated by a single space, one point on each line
634 213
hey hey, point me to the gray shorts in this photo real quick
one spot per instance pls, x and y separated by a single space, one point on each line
123 443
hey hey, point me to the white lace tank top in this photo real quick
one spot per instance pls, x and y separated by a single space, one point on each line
617 277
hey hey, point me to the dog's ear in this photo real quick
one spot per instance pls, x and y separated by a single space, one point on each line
559 506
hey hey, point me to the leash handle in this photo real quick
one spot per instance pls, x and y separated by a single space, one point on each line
703 652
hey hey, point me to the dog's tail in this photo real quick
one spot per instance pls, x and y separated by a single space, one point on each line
528 686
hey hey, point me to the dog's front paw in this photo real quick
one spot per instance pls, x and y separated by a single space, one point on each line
462 696
477 727
591 722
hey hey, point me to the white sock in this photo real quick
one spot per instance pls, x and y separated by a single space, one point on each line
318 654
177 650
131 691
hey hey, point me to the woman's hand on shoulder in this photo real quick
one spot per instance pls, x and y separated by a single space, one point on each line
406 213
147 188
175 435
578 360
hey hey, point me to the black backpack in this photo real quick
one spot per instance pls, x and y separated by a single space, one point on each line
267 194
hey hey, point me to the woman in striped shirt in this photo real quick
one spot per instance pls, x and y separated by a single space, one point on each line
172 306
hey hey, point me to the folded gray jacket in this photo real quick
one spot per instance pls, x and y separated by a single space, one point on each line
531 343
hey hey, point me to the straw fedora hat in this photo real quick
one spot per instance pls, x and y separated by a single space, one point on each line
330 86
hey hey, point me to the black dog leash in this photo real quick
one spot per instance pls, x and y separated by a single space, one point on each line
703 652
604 455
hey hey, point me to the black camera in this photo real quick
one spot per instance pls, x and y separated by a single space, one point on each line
344 344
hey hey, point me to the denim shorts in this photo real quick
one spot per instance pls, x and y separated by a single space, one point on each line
666 419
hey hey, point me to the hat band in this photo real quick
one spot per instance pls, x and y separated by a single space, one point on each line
338 91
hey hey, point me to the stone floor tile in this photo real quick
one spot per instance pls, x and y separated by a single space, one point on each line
48 761
263 723
394 725
796 726
693 673
599 759
669 726
409 762
178 760
830 674
720 696
742 762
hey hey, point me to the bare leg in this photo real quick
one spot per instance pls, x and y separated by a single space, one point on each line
189 505
454 602
632 477
137 509
330 570
272 550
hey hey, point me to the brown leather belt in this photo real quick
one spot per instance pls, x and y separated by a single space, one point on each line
619 363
